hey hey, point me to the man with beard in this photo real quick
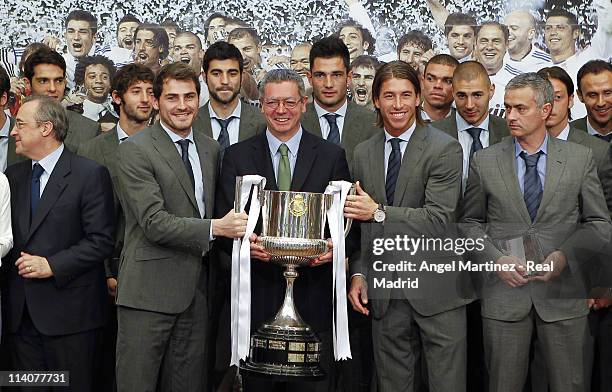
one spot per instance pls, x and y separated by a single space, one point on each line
95 74
300 63
331 116
437 84
413 48
151 46
363 69
214 28
357 39
125 31
460 33
187 49
595 91
491 44
132 94
522 55
45 74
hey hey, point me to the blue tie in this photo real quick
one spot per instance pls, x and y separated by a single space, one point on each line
606 138
393 167
37 171
223 138
476 143
532 186
334 132
185 157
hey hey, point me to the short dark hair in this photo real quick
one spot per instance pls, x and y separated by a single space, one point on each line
81 67
416 38
571 18
169 22
222 50
242 32
128 18
214 15
394 70
592 67
160 37
329 47
127 75
175 71
365 33
561 75
182 33
43 56
5 82
459 19
442 59
500 26
31 48
366 61
83 15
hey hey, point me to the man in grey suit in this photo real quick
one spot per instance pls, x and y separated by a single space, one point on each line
225 118
594 87
45 73
513 190
167 177
331 116
412 175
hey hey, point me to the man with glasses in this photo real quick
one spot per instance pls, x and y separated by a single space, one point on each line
291 159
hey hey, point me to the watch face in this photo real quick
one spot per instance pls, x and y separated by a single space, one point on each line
379 216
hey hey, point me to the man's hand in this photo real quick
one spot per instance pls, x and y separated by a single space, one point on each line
324 258
358 294
111 286
232 225
559 262
360 206
512 278
30 266
257 251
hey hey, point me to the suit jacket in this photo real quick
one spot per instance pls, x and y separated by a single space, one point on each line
358 126
103 149
426 194
80 130
73 228
251 121
498 128
318 162
572 216
165 237
580 123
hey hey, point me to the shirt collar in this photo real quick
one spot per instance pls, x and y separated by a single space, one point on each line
425 116
235 113
591 130
564 134
322 112
518 149
293 144
6 128
462 125
175 138
121 133
405 136
48 163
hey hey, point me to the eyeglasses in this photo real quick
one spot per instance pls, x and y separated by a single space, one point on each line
290 103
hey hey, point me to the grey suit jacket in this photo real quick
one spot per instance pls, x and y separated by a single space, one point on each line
572 216
165 237
358 127
498 129
80 130
580 123
426 194
251 121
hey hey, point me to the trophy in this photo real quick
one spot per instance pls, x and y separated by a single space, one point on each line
293 235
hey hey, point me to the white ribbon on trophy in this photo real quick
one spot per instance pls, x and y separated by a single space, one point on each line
335 219
241 268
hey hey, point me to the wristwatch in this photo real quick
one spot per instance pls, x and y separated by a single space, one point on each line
380 214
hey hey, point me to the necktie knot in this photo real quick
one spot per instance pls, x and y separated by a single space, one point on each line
531 160
184 143
37 171
224 123
395 143
331 118
606 138
283 150
474 133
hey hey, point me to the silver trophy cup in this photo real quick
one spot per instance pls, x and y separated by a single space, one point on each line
293 235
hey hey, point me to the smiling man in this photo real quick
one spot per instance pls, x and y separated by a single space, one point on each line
522 55
460 33
95 74
357 39
595 91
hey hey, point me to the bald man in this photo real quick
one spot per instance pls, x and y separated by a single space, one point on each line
522 55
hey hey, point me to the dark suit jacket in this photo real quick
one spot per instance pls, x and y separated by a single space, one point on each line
103 149
165 237
80 130
318 162
251 121
498 128
426 194
358 126
73 228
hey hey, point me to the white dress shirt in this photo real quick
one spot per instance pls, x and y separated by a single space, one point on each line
233 128
48 164
592 131
564 134
292 144
4 141
121 134
6 234
465 139
405 137
341 112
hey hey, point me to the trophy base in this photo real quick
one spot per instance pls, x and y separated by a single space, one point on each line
285 354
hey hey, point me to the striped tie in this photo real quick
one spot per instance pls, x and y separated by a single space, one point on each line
393 168
532 186
334 131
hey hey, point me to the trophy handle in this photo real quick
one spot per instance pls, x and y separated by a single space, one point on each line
349 221
238 194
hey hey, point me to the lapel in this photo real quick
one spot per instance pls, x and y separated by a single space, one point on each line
204 154
497 129
53 190
410 161
109 145
203 121
310 120
307 153
378 167
449 125
166 149
248 122
262 160
555 166
351 125
507 166
577 136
